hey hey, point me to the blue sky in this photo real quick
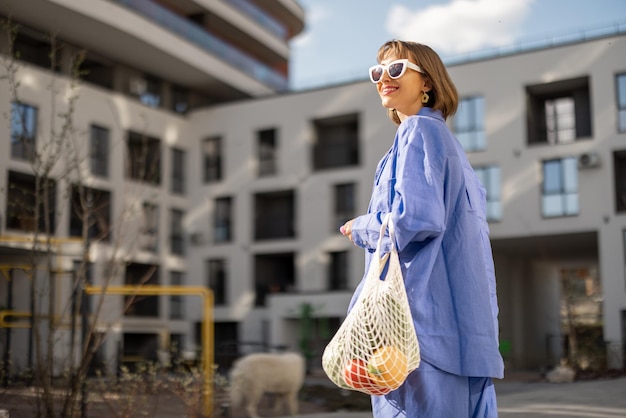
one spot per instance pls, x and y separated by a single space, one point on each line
341 37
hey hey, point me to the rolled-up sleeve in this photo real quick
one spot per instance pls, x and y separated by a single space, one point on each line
415 180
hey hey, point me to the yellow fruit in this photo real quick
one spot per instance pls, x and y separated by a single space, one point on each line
388 367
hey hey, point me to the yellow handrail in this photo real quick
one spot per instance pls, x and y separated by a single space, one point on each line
207 323
22 314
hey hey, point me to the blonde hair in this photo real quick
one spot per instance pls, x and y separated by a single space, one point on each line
443 95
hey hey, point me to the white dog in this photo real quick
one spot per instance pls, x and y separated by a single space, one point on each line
256 374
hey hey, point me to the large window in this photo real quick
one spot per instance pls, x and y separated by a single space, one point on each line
143 158
338 271
559 112
27 204
560 187
469 123
222 221
177 307
336 142
90 208
216 279
149 239
620 82
489 176
23 131
266 149
212 159
274 215
273 273
177 237
141 274
619 176
99 151
345 204
180 99
178 171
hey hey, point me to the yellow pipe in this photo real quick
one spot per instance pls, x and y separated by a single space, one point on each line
207 323
5 324
40 240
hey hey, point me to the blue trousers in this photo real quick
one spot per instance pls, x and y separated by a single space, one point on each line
430 392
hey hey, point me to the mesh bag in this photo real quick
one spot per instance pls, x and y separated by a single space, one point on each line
376 346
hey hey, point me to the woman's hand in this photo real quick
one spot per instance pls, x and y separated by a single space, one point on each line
346 229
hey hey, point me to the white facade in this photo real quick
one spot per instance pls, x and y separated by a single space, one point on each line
531 250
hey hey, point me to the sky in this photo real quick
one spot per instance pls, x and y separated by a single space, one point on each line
341 37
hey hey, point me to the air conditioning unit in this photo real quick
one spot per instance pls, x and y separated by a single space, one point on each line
588 160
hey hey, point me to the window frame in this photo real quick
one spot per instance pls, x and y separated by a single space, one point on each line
24 138
476 125
212 156
493 191
223 220
99 146
178 184
620 102
562 187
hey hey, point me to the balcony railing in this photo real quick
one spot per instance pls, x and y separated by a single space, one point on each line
260 17
210 43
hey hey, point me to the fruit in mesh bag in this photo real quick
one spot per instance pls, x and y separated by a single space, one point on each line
388 367
356 375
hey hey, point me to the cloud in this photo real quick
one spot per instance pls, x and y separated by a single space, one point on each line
315 15
460 26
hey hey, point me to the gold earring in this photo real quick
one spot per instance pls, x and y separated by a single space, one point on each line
425 98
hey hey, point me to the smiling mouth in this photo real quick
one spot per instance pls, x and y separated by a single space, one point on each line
388 89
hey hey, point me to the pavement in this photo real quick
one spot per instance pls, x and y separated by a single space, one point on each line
604 398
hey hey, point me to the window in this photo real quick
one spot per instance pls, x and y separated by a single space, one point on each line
177 307
345 204
91 207
560 120
150 94
141 274
273 273
178 171
177 237
180 99
34 47
620 81
143 158
216 280
212 154
469 123
23 131
338 271
149 239
560 187
559 112
25 203
336 142
97 70
274 215
619 174
99 151
223 220
489 177
266 149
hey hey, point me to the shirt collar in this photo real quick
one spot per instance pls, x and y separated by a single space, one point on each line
429 111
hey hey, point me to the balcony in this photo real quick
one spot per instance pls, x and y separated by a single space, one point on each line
210 43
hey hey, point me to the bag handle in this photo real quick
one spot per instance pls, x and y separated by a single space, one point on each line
387 224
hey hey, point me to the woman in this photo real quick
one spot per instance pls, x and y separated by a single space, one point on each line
438 207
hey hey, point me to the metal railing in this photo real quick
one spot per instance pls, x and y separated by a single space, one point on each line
199 36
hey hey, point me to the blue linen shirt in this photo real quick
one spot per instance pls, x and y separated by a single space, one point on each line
438 207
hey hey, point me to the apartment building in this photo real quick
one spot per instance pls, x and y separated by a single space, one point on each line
207 174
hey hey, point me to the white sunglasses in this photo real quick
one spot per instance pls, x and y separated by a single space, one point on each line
395 69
